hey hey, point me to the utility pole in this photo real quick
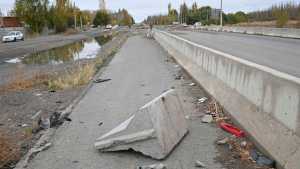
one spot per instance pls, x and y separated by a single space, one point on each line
221 14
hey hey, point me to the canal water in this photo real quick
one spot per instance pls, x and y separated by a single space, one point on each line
86 49
53 59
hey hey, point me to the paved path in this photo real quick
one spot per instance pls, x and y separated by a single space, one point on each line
282 54
139 69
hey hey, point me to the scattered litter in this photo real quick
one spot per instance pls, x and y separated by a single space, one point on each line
52 91
207 118
176 66
141 132
178 77
44 123
100 124
223 141
38 94
101 80
199 164
153 166
192 84
232 129
36 115
15 60
202 100
262 160
55 119
68 119
25 125
243 144
59 102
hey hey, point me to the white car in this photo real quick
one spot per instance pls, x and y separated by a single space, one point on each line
13 36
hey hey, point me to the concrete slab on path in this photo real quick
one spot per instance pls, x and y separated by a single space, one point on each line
139 73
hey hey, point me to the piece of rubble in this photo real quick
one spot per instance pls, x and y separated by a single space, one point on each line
199 164
207 118
153 166
223 141
101 80
202 100
154 130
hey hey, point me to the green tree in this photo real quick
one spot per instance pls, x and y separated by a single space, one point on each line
184 10
33 12
102 18
282 17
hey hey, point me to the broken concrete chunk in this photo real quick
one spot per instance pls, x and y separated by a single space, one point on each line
154 130
207 119
199 164
223 141
153 166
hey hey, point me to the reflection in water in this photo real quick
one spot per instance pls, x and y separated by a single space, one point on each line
68 53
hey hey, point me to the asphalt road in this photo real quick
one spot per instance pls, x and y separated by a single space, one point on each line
282 54
139 73
21 48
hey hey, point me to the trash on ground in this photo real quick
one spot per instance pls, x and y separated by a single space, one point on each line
153 166
154 130
176 66
25 125
192 84
178 77
232 129
101 80
262 160
68 119
223 141
15 60
202 100
207 118
243 143
100 124
199 164
44 123
38 94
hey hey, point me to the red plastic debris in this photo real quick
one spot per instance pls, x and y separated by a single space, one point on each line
232 129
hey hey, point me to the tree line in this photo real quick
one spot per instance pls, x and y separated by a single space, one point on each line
207 15
121 17
60 15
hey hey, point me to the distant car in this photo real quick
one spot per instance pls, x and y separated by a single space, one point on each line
13 36
108 27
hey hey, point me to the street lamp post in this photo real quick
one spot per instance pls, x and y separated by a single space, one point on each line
221 14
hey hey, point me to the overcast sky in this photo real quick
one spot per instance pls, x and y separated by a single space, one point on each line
140 9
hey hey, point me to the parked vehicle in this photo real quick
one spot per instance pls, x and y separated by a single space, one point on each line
108 27
13 36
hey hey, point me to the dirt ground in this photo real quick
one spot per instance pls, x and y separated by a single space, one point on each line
19 125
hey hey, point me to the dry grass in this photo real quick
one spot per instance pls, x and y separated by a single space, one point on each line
9 151
78 76
21 83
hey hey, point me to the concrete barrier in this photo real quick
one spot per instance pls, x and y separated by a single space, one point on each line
279 32
265 102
